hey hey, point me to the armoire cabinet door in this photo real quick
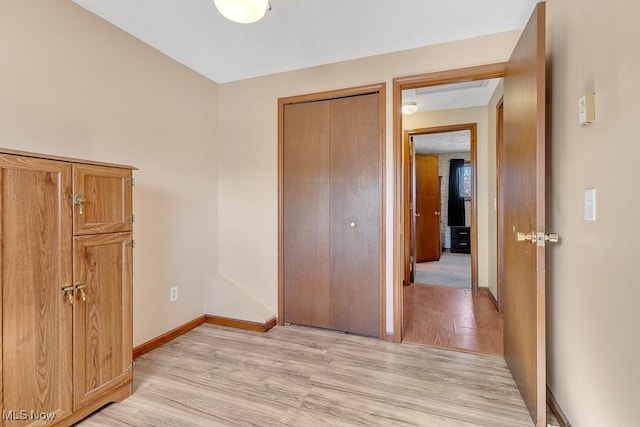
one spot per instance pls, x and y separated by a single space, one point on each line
36 320
102 199
103 314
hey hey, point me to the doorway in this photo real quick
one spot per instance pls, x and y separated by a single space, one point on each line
415 298
451 151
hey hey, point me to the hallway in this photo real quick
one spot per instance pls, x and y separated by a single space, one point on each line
451 318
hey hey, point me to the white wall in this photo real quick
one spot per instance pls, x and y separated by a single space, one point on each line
492 194
593 288
248 133
73 85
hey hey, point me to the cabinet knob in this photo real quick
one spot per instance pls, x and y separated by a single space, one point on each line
352 224
79 200
80 287
67 291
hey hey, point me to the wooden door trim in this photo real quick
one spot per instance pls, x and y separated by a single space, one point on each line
481 72
499 202
379 88
473 130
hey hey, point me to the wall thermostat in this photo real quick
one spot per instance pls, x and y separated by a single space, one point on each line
586 109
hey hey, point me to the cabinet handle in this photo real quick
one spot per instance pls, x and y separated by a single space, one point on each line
67 291
79 200
80 287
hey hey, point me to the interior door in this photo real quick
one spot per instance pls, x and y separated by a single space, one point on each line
524 211
355 214
427 208
305 199
332 213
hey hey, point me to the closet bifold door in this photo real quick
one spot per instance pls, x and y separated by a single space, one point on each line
102 199
306 214
355 214
36 315
331 213
103 314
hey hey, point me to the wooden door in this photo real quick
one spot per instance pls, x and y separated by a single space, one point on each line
524 211
305 224
355 214
103 314
102 199
427 208
36 320
331 213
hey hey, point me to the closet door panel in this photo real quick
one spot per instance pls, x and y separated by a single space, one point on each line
306 213
36 319
355 214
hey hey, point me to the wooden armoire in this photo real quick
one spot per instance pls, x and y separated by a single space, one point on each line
331 195
66 287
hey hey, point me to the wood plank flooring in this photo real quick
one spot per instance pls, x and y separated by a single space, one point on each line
451 318
298 376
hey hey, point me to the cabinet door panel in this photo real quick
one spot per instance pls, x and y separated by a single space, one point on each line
102 322
36 320
107 199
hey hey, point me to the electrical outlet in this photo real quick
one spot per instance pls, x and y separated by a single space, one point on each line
173 295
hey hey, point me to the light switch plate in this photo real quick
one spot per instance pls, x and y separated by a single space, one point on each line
590 204
586 109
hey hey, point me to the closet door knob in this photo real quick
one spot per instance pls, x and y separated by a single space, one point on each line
352 224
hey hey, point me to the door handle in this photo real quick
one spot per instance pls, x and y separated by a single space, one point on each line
539 238
436 213
529 237
418 215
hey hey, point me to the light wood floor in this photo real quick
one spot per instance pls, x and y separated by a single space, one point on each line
451 318
307 377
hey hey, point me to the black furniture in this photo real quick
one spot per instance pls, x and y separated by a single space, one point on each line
461 240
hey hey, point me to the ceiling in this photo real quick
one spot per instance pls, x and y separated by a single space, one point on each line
298 34
450 96
443 142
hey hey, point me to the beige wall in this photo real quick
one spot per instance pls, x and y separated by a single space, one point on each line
248 191
459 116
492 230
73 85
593 288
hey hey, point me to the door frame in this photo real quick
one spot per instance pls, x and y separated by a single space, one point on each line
379 88
481 72
499 203
408 231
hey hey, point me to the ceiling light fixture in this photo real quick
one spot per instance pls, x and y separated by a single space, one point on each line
243 11
409 107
